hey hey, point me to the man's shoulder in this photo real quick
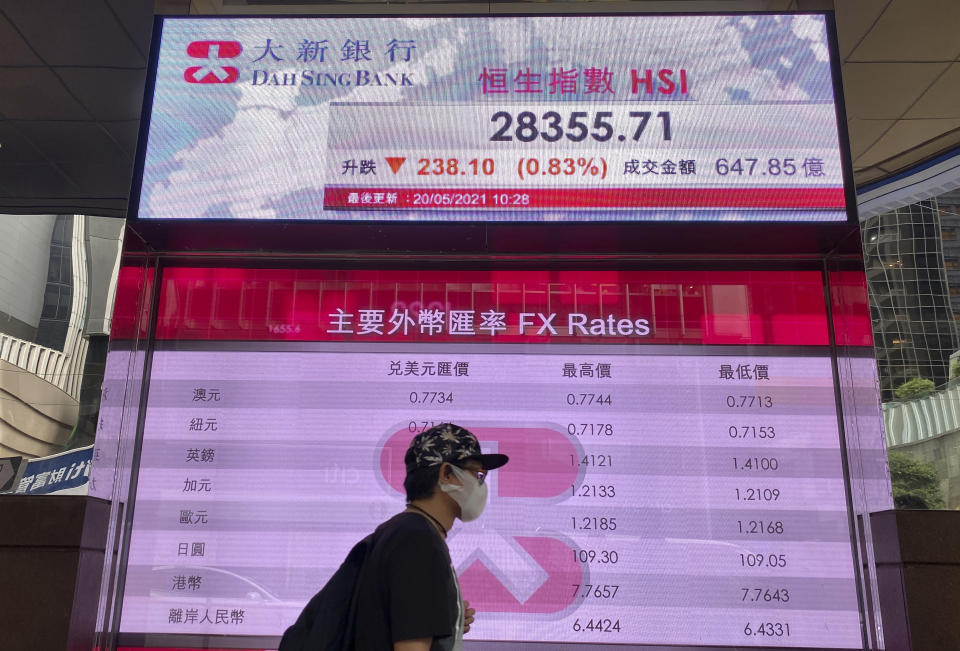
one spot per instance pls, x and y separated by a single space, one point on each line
406 529
405 523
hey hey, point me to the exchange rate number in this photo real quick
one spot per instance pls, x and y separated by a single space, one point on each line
587 399
763 560
767 629
596 556
593 523
757 494
430 397
595 460
589 590
590 429
593 490
751 431
417 426
780 595
756 463
600 625
747 402
757 527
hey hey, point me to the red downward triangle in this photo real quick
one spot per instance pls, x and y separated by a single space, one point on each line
395 162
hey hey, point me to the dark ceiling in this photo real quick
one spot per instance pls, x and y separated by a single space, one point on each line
71 86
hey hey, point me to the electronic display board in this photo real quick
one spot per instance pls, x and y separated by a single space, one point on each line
675 118
676 475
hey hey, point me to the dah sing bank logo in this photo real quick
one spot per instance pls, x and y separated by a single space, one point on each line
214 54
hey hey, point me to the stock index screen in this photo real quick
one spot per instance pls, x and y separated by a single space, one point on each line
676 475
552 119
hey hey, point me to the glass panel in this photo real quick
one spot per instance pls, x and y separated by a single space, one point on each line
113 454
917 348
51 301
683 394
54 275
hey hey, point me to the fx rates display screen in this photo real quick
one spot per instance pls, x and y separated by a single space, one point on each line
550 118
675 474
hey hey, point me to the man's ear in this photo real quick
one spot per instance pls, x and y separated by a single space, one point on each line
445 472
447 476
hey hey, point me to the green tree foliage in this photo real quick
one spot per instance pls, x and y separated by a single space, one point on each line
915 483
914 388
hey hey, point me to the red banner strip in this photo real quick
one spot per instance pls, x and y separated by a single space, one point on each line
636 307
366 198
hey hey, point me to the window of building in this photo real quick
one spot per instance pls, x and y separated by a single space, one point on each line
948 234
952 264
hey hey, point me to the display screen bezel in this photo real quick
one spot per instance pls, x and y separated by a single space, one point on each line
152 640
486 237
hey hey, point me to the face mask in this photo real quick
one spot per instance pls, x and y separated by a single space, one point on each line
471 497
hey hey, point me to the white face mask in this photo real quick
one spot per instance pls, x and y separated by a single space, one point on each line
472 496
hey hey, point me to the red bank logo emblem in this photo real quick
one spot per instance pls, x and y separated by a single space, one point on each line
213 54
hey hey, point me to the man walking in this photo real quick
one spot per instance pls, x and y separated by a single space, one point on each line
408 596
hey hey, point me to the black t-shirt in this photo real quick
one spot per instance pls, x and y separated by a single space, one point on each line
407 588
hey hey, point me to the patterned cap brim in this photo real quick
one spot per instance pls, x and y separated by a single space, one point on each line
491 461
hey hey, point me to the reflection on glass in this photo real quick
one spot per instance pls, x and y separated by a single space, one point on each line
57 277
912 258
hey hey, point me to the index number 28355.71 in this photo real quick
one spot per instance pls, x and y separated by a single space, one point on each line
575 127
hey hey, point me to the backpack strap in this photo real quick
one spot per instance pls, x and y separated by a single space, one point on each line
350 632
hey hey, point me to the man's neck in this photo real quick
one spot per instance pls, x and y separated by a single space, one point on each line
437 507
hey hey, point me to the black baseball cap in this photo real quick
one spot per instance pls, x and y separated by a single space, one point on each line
448 443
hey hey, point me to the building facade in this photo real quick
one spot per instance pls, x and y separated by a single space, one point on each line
948 208
57 274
